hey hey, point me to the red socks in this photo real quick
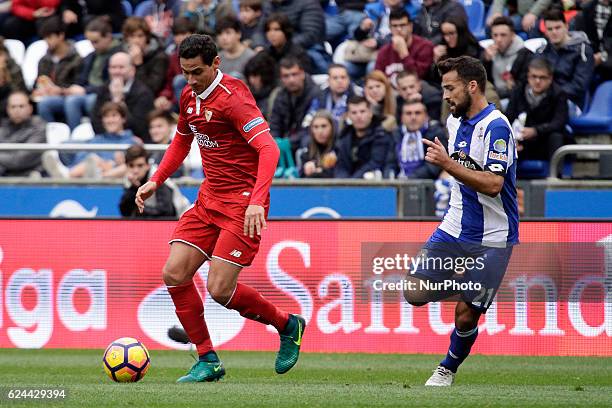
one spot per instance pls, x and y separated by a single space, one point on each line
190 311
250 304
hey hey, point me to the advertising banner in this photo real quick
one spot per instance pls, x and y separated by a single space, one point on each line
84 283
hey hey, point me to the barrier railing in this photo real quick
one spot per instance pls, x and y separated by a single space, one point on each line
572 149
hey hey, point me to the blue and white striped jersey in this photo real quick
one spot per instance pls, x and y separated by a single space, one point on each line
483 143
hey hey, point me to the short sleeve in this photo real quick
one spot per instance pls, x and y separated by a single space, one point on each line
246 116
499 148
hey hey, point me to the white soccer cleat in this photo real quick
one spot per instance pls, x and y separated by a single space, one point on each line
441 377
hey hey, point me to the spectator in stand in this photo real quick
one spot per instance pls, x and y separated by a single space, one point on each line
26 17
431 16
457 40
378 92
252 23
170 95
292 101
122 86
100 164
363 146
406 50
596 21
524 14
318 158
538 112
506 59
279 33
58 70
146 52
234 54
159 15
570 54
406 157
334 98
11 79
20 127
308 22
342 23
76 14
411 88
162 127
138 173
260 74
206 13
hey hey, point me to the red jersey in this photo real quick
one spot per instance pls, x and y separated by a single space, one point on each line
230 131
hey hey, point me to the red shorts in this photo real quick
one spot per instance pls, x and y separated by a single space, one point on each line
217 230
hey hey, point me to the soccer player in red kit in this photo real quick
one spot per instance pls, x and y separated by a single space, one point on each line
224 226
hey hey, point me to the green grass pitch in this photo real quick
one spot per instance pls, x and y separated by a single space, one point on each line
325 380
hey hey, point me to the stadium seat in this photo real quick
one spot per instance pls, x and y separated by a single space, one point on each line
127 7
320 80
33 54
193 161
328 48
598 119
475 11
16 49
338 56
532 169
142 8
534 43
57 132
84 48
83 132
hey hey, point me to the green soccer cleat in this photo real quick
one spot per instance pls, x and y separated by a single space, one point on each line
204 371
290 344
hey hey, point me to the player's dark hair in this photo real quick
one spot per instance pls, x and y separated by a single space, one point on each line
100 25
554 14
199 45
468 69
283 21
161 114
290 61
50 26
183 25
398 13
357 99
135 152
503 20
118 107
406 73
227 23
255 5
541 63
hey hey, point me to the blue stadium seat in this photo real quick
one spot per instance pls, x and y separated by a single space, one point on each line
598 119
127 6
143 8
475 10
532 169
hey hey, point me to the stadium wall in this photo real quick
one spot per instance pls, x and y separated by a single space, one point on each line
83 283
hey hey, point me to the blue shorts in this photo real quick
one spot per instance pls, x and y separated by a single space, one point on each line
448 265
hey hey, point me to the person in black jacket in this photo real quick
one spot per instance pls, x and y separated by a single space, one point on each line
138 173
431 15
406 158
538 112
122 86
279 34
363 146
292 101
599 31
76 14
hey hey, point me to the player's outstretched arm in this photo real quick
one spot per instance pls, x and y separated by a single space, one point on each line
144 192
484 182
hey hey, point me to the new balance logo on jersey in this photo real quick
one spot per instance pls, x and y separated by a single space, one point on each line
190 110
236 253
203 139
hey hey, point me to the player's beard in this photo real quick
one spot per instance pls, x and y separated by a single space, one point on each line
462 108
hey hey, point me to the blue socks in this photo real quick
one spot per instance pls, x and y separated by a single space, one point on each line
460 346
210 357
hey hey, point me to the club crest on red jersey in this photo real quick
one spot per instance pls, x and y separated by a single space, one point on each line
207 114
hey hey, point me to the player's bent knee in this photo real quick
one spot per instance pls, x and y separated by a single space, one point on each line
173 274
466 318
219 292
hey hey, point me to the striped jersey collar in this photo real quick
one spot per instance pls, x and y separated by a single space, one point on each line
480 115
211 87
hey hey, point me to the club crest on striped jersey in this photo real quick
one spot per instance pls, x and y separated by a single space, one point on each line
253 123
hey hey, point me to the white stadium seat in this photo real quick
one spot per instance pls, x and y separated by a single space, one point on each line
83 132
485 43
533 44
16 49
84 48
57 132
33 54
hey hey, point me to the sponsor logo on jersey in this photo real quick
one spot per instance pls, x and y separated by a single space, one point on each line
498 156
203 139
236 253
500 145
465 160
252 123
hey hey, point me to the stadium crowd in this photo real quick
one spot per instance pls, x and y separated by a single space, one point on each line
349 87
